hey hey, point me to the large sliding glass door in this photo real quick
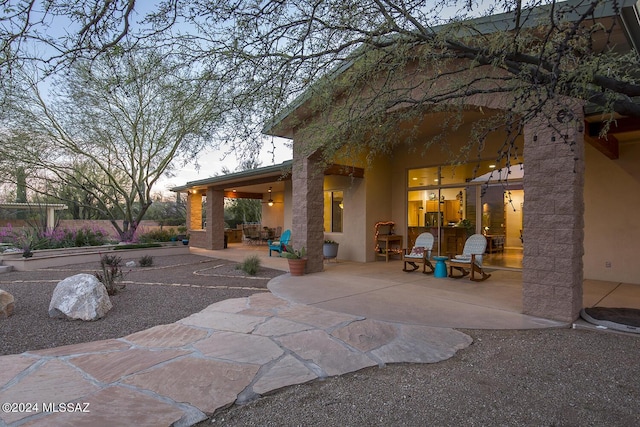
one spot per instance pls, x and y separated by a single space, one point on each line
450 204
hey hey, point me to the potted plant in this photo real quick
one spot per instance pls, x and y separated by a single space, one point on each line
296 258
330 249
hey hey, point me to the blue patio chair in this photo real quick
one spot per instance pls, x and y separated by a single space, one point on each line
471 259
279 245
421 253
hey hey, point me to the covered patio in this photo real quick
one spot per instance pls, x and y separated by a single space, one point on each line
382 291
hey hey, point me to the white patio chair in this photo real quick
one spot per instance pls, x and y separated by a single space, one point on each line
471 259
420 253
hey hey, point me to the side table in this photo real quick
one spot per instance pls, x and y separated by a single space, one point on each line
441 267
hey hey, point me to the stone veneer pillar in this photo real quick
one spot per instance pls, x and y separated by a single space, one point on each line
215 219
553 218
194 211
308 211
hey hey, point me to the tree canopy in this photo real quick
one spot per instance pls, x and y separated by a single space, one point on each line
269 52
111 129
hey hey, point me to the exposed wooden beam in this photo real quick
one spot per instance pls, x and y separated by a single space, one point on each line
255 181
242 195
343 170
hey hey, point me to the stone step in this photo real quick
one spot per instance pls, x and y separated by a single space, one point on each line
5 268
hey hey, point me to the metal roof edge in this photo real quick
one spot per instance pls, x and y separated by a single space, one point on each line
266 170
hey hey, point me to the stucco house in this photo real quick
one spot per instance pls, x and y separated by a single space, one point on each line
568 211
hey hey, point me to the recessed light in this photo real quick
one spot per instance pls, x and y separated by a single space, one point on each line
492 166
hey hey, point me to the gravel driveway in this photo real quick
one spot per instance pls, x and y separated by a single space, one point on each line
549 377
173 288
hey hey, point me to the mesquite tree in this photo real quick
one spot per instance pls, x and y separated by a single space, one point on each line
110 129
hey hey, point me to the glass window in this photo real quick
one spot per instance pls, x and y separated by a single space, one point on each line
459 174
333 207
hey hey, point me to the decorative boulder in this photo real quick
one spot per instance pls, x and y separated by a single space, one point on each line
6 304
80 297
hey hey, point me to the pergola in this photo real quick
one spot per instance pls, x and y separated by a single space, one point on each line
50 208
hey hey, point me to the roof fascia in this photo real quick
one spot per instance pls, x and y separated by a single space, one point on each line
237 177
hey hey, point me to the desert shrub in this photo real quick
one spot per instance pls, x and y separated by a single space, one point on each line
158 235
111 273
250 265
31 237
86 236
146 261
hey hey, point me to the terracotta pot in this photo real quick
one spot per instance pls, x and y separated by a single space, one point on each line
296 266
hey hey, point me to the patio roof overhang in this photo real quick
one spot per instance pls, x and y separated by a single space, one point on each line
253 183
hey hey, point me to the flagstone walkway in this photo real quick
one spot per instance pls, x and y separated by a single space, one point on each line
231 352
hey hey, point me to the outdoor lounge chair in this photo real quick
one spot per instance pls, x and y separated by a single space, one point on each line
279 245
420 253
471 259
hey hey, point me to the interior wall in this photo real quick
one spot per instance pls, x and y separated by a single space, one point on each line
513 215
612 209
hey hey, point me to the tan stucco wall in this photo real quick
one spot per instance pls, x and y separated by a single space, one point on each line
378 202
353 227
273 216
612 215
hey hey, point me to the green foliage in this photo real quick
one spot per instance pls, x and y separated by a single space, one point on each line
146 261
167 213
240 211
159 235
250 265
111 273
88 237
292 253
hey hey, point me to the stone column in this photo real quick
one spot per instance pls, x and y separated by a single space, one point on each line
554 216
308 210
194 211
215 219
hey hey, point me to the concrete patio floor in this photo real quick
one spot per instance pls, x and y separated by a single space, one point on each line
382 291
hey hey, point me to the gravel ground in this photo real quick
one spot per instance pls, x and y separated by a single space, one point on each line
151 297
551 377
